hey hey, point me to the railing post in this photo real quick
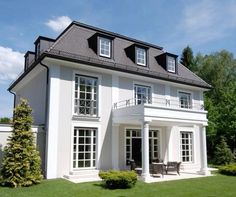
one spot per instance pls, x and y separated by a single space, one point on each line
127 102
167 102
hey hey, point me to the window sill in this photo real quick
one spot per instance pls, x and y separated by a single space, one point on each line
86 118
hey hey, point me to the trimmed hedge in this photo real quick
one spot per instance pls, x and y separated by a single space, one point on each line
228 170
115 179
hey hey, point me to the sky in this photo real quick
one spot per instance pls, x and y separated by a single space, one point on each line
206 26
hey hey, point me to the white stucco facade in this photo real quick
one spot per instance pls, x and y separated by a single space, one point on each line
112 122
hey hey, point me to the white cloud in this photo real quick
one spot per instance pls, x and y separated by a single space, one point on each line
58 24
11 64
205 21
208 20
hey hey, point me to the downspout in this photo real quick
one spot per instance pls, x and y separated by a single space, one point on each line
14 102
46 116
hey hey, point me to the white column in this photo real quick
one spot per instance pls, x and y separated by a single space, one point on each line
115 146
203 169
145 151
52 122
168 145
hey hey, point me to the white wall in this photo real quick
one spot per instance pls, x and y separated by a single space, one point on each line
35 93
39 133
67 120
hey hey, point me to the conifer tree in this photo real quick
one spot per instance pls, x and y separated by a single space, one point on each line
21 161
187 58
223 154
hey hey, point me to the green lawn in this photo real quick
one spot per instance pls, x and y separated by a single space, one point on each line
209 186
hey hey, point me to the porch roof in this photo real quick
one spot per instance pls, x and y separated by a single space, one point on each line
159 115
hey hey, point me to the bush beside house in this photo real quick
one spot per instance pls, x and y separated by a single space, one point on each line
21 161
228 170
119 179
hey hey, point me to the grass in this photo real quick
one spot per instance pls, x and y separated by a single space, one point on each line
218 185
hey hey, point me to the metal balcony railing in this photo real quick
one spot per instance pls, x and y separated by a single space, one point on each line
158 102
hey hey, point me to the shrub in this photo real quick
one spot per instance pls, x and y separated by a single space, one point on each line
223 155
21 161
119 179
228 170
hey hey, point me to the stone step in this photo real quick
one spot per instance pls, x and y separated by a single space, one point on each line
83 176
84 172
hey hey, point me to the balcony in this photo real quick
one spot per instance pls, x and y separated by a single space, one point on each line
159 109
158 102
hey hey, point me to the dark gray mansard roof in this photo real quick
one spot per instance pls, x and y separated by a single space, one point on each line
72 45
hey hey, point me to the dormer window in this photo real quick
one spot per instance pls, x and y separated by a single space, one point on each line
140 56
38 50
171 64
168 61
104 47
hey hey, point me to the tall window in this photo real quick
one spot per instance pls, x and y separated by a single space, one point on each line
153 145
142 94
185 100
84 148
86 89
171 64
141 56
186 146
105 47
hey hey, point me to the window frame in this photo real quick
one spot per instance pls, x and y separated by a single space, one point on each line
37 49
145 56
94 95
190 105
190 151
99 93
167 64
149 89
100 38
93 153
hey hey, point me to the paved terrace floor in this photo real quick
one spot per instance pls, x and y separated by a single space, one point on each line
173 176
154 179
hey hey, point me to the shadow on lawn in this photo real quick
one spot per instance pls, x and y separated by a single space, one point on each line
103 186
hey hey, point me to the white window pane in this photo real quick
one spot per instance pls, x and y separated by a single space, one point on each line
171 64
185 100
142 94
86 96
141 56
186 146
105 47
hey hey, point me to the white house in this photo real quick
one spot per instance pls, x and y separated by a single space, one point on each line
104 99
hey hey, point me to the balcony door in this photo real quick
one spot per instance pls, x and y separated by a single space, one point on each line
134 146
142 94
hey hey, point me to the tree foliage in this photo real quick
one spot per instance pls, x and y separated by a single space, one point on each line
21 161
5 120
219 70
223 154
187 58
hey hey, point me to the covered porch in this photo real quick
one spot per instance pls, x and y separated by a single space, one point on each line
136 129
